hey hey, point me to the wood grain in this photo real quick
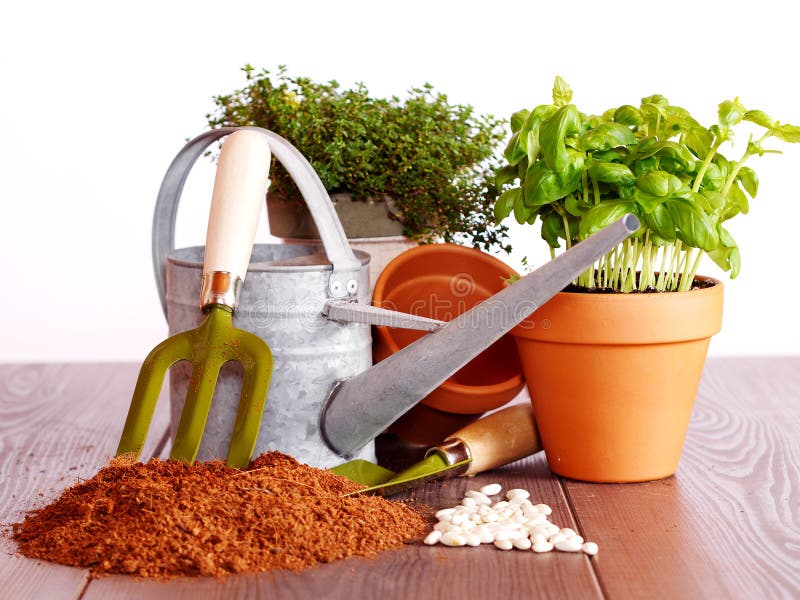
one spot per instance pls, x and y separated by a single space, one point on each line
416 570
727 525
58 424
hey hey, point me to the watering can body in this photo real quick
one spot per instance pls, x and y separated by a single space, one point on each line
282 302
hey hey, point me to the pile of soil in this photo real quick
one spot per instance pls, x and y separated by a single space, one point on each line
166 518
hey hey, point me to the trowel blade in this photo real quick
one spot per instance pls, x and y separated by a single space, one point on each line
364 472
434 466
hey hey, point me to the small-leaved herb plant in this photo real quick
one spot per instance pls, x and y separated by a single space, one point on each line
435 159
577 173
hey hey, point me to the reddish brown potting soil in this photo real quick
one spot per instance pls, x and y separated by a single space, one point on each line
167 518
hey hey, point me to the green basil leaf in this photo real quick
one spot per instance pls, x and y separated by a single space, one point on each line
518 119
661 223
504 175
749 180
731 112
727 255
788 133
672 150
648 202
694 227
562 93
514 152
523 213
640 167
628 115
531 143
609 172
699 141
505 203
575 205
552 135
715 199
737 203
606 136
713 178
603 215
613 155
759 117
702 202
552 228
658 183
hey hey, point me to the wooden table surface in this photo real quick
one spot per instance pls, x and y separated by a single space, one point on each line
727 525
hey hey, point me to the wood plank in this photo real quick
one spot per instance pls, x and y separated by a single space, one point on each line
58 424
415 571
727 525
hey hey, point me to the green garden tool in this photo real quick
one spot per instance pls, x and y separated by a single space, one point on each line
493 441
239 190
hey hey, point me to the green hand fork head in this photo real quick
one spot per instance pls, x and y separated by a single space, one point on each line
239 191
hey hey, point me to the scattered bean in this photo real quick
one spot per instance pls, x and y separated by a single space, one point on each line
433 537
492 489
589 548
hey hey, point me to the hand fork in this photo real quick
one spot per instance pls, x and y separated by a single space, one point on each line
239 191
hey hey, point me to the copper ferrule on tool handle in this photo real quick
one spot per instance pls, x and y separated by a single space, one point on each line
454 451
220 287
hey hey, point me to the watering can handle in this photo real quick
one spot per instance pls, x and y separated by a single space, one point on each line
342 283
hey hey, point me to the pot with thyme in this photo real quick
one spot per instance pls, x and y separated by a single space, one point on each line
613 363
418 167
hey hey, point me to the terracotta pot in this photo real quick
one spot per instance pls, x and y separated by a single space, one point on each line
442 281
613 378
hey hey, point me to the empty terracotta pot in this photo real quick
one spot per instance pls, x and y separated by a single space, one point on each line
613 378
441 281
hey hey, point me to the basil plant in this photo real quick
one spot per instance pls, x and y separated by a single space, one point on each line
577 173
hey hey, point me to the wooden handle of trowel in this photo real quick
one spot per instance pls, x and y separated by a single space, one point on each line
500 438
240 190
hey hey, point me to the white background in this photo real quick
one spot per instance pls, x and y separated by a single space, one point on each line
98 97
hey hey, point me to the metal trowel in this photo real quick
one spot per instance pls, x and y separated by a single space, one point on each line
495 440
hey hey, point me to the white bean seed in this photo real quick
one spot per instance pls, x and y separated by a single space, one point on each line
445 512
544 509
480 498
538 538
503 544
469 503
569 532
443 527
468 524
590 548
500 505
492 489
568 546
518 492
557 539
473 539
451 538
491 517
459 519
542 547
433 537
522 543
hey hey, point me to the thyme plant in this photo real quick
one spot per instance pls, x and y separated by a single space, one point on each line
436 159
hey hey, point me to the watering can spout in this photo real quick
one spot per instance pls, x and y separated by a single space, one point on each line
360 408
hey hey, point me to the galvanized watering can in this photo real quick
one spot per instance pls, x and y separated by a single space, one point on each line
326 402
